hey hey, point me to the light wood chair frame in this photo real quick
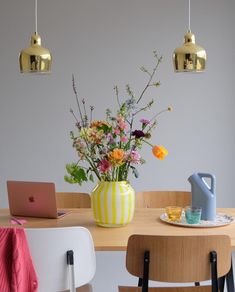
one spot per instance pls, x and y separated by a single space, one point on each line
180 259
73 200
161 199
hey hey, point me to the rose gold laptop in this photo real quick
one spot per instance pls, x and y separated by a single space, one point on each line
33 199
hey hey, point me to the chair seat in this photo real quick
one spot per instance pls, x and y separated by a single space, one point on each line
166 289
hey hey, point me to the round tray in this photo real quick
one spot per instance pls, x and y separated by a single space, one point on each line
221 220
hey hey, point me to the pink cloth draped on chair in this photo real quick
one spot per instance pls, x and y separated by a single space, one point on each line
17 273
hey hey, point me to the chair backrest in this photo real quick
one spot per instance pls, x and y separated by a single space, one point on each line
85 288
161 199
49 246
73 200
178 258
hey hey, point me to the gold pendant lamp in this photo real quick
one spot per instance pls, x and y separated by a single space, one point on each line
190 57
35 59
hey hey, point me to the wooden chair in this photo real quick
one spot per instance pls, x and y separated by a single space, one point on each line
73 200
85 288
178 259
161 199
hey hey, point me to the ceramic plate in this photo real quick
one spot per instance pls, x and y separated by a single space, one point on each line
221 220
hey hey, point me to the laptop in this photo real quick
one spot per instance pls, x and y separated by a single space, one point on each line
33 199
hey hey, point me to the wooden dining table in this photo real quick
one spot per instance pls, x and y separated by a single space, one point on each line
145 221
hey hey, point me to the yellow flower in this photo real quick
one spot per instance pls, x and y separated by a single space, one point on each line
160 152
91 135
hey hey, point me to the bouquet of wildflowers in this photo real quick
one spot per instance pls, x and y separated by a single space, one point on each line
110 148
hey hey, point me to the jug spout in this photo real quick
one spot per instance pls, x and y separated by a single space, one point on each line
204 195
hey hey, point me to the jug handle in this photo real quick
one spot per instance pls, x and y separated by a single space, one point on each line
212 177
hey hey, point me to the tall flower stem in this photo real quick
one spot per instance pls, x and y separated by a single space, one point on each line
150 78
93 167
147 143
78 104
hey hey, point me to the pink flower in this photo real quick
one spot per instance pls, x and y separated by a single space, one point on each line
104 165
122 125
135 156
124 139
117 131
145 121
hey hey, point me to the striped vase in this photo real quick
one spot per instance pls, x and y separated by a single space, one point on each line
113 203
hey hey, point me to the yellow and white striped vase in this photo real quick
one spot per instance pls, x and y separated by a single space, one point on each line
113 203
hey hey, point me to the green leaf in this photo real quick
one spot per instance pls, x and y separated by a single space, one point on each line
77 174
91 178
105 128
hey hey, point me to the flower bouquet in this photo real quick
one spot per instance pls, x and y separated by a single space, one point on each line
110 148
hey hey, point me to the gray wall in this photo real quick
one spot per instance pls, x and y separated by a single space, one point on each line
103 42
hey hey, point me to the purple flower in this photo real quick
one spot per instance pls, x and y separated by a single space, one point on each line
110 138
138 134
145 121
135 156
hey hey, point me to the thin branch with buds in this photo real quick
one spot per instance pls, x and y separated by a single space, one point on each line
151 75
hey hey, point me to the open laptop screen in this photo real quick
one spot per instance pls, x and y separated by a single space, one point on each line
33 199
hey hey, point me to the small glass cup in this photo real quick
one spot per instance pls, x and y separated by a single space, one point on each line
174 213
193 214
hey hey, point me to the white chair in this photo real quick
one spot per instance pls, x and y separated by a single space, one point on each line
49 246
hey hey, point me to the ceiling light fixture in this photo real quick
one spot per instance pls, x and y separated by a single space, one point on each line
35 59
190 57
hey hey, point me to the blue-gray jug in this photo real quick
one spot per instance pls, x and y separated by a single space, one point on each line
203 195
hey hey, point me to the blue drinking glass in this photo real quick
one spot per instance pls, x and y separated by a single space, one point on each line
193 214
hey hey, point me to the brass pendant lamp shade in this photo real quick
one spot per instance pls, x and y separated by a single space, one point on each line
35 58
190 57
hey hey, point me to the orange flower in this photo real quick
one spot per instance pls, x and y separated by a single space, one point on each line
116 156
160 152
96 124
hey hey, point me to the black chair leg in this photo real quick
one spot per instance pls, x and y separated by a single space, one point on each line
214 274
140 282
230 279
146 272
221 282
70 262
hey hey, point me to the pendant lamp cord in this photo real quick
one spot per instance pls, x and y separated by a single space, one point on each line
36 16
189 15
